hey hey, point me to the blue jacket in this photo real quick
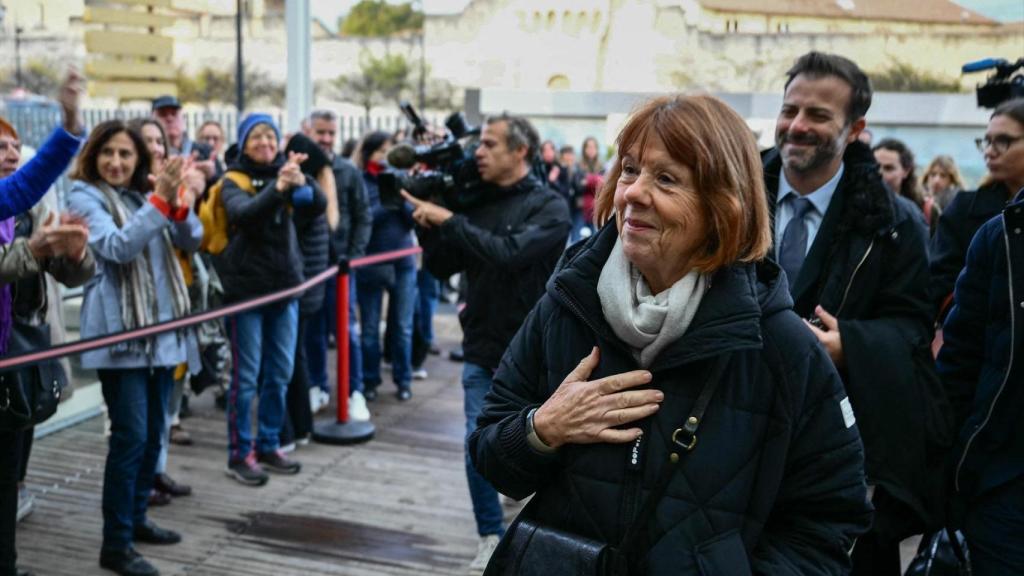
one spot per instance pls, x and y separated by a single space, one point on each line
21 190
101 309
982 358
392 229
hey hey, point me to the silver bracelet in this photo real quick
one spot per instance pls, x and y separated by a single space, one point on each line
531 436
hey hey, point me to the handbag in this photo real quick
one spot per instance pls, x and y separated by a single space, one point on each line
530 548
29 394
941 553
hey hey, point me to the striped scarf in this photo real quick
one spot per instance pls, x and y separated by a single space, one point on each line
138 292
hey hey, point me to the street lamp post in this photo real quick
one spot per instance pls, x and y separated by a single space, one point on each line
17 54
423 60
239 64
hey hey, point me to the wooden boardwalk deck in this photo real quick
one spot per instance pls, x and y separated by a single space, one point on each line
397 505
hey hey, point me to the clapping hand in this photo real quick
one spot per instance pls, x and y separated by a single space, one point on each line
290 175
167 182
63 237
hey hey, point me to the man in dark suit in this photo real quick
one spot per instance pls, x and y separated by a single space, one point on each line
857 266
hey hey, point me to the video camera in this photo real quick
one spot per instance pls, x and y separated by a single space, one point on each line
452 173
1001 86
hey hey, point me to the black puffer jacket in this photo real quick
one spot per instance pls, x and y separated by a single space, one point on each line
314 244
959 222
868 266
507 245
263 254
775 484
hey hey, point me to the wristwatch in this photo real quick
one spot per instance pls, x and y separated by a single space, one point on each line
531 436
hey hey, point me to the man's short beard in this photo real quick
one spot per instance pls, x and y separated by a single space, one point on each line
822 154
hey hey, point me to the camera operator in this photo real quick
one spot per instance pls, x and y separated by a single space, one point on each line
507 245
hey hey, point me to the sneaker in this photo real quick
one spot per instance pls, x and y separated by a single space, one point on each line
357 410
26 503
287 448
127 563
419 374
158 498
325 397
277 462
403 394
304 440
247 471
484 549
370 394
315 400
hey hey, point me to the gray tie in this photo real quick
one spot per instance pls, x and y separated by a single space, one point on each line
793 247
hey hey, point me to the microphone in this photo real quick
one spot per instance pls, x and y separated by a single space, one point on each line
402 156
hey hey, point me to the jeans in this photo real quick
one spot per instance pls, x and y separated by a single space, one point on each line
428 290
11 446
400 282
173 408
995 531
476 383
137 406
263 346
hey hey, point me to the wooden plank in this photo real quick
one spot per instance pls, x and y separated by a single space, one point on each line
397 506
125 17
121 69
129 44
127 90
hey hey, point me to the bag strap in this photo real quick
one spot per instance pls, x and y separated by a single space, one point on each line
684 440
958 551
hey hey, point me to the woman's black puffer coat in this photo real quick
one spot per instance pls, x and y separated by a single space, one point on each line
775 484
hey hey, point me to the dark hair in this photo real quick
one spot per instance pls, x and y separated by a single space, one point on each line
368 145
349 147
707 136
86 168
138 123
520 133
567 149
909 186
1013 109
819 65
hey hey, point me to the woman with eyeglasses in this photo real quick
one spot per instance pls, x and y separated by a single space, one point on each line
1003 148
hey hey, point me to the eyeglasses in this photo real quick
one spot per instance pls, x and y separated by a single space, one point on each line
999 144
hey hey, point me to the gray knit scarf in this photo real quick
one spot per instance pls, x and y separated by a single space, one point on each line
646 322
138 293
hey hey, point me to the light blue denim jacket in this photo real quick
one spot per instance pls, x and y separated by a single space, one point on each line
101 309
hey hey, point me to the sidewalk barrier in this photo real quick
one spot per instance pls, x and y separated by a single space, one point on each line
339 432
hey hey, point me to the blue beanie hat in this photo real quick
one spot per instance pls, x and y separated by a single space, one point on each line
250 122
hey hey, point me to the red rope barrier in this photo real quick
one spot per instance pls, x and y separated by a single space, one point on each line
193 319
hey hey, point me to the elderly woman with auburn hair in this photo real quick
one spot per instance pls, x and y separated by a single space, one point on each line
664 405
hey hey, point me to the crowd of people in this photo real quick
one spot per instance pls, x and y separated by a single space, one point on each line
840 331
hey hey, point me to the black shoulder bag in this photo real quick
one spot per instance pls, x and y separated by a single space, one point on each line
29 394
530 548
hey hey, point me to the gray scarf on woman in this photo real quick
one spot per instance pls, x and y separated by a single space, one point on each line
138 293
646 322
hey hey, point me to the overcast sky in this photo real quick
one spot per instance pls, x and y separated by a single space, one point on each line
330 10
